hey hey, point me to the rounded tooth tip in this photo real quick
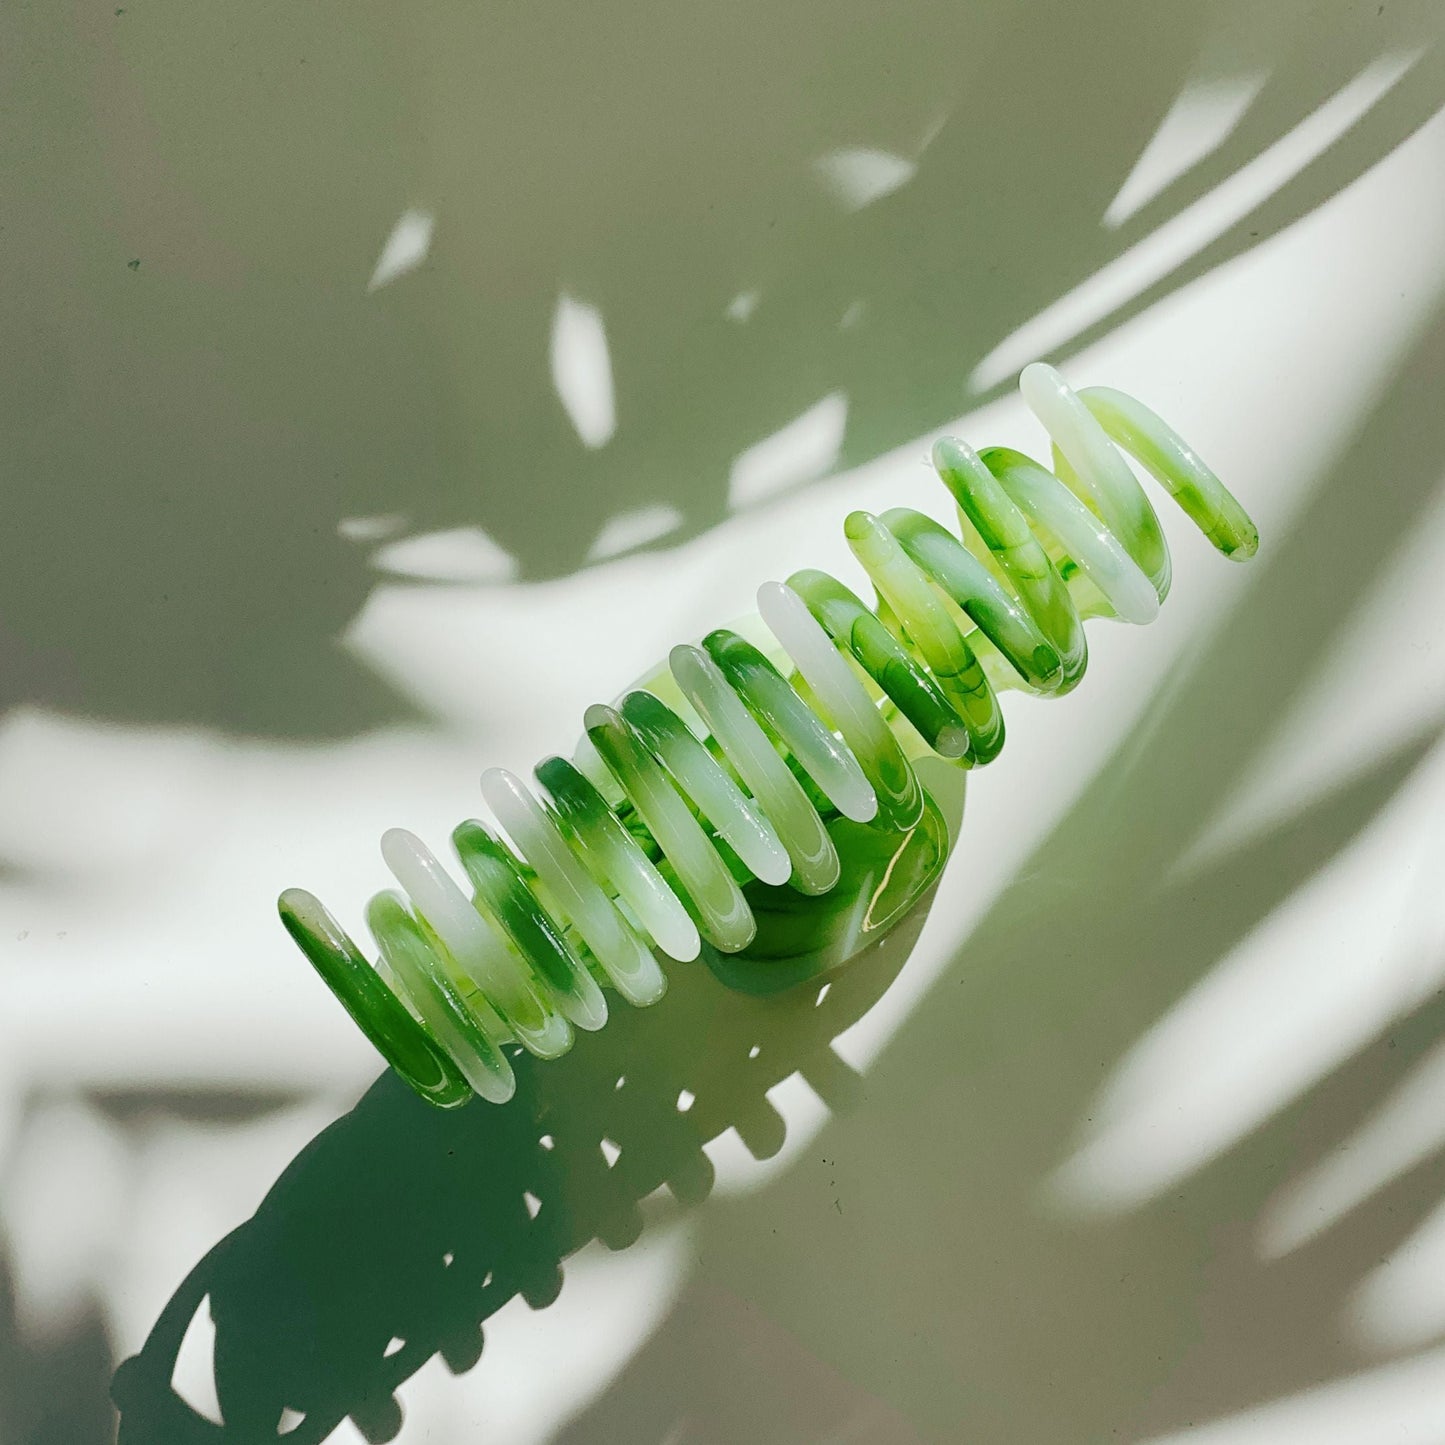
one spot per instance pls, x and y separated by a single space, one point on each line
686 663
297 900
499 783
398 842
950 454
598 715
1145 610
1048 665
682 944
862 807
1040 373
651 994
553 1039
776 600
775 869
299 909
589 1014
953 742
498 1091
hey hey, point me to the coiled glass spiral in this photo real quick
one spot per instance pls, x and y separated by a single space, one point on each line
730 769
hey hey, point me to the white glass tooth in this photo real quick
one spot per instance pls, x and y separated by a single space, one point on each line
1102 557
1078 435
671 822
815 860
724 804
470 941
628 962
817 658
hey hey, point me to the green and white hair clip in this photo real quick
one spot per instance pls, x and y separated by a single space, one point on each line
754 801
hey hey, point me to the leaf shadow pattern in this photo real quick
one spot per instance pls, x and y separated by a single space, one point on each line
966 1112
270 390
951 1287
402 1221
662 168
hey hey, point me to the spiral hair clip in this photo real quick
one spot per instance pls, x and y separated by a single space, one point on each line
755 800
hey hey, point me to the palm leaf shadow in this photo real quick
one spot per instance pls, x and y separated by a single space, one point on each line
292 395
1055 983
299 1324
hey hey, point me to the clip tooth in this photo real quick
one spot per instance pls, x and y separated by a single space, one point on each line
614 855
726 918
479 954
815 860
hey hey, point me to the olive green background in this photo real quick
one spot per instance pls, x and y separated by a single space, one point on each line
197 388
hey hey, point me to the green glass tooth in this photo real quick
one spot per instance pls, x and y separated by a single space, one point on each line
1096 474
935 634
1177 467
378 1013
416 964
476 946
616 857
834 685
912 691
1059 515
502 892
724 919
748 749
1003 630
1018 553
570 890
465 986
712 790
829 763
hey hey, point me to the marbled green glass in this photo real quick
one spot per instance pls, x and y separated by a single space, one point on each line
755 800
399 1038
800 938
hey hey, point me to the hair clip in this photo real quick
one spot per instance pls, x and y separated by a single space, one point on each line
754 801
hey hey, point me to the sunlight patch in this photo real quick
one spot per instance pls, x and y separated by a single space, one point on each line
463 554
406 248
370 529
1401 1305
1407 1130
194 1376
805 449
1204 115
1390 1406
857 177
742 306
1189 231
582 370
1310 985
630 530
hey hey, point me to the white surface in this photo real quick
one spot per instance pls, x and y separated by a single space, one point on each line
142 955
